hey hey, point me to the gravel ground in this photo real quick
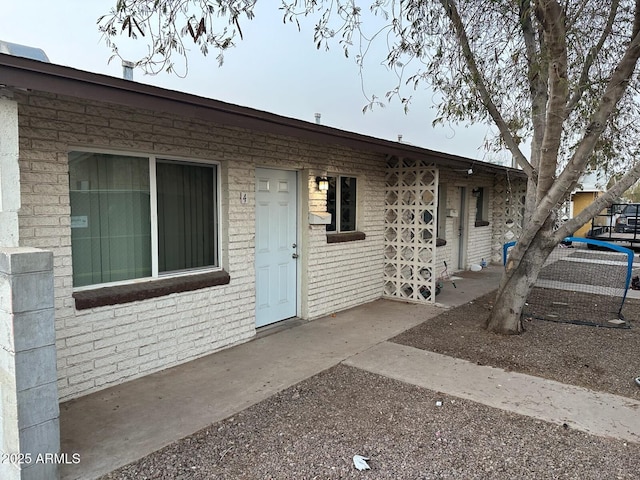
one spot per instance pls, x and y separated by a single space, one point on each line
592 273
313 429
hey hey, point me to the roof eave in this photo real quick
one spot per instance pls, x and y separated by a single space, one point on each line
23 73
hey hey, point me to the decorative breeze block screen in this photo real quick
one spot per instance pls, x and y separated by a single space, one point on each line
410 230
508 212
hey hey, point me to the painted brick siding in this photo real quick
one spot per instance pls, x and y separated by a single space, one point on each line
105 346
479 239
343 275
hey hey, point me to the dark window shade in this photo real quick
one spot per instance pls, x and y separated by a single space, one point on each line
347 204
110 227
186 216
341 204
331 204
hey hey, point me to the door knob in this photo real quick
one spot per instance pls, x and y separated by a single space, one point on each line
294 255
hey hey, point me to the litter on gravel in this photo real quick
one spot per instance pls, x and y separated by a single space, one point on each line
360 462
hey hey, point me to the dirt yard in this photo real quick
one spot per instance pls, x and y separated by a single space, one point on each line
605 359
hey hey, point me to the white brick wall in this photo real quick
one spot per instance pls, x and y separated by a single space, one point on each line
104 346
478 240
343 275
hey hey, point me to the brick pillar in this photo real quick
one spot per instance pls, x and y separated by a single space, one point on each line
29 412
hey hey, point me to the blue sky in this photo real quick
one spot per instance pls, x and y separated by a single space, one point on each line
275 68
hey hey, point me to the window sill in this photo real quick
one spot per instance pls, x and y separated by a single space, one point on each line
345 237
482 223
134 292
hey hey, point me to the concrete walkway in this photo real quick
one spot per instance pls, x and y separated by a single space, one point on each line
122 424
592 412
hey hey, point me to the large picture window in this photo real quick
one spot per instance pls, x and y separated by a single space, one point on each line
341 204
137 217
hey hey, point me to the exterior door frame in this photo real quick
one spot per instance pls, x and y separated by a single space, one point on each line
300 252
463 227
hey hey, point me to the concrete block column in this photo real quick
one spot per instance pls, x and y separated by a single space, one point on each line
9 170
29 412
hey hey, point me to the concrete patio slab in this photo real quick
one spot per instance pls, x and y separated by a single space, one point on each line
121 424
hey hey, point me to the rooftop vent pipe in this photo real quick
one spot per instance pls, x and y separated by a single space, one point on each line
127 70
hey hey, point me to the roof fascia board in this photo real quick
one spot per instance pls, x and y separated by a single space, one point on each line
29 74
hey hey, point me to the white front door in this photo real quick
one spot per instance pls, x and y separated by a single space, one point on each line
276 252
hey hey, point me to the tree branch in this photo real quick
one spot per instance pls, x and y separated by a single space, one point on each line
583 82
614 91
538 79
551 17
454 16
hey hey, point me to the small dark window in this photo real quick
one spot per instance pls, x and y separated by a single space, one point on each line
341 204
482 206
441 226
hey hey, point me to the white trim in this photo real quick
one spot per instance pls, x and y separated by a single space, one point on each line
153 213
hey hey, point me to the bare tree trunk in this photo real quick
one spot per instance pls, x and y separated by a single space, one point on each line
521 273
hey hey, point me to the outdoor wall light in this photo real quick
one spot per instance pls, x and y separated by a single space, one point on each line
323 183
